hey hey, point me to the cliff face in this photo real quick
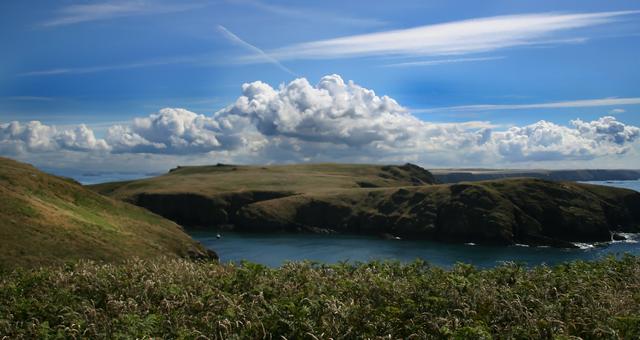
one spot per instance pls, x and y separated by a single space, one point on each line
397 200
498 212
201 211
46 219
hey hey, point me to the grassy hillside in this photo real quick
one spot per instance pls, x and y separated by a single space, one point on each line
206 196
46 219
397 200
529 211
176 299
298 178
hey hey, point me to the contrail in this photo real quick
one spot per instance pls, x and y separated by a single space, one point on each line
235 39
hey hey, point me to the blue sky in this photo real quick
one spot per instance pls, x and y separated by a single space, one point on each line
503 63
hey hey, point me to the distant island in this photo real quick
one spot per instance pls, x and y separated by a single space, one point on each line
395 201
461 175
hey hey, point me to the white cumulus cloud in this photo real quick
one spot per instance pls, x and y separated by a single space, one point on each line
178 131
16 137
332 120
332 111
313 120
548 141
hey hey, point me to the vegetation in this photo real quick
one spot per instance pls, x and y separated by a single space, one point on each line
508 211
173 298
290 179
75 264
389 200
46 219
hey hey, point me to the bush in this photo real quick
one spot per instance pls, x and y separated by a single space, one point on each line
181 299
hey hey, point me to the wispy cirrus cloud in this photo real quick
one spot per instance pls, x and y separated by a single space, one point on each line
74 14
259 53
103 68
552 105
26 98
453 38
308 14
442 61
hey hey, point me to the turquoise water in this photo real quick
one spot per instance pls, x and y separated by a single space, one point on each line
275 249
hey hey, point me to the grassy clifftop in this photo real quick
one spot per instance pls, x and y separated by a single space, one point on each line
211 196
397 200
47 219
291 179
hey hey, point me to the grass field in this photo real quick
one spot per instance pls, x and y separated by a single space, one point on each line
295 178
171 298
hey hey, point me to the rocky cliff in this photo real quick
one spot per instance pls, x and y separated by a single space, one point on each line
397 200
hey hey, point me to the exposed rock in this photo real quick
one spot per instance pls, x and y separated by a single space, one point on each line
618 237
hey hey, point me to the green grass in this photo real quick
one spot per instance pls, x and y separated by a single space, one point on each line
295 178
46 219
500 211
172 298
375 199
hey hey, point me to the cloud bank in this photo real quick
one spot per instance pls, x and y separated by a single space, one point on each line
332 120
36 137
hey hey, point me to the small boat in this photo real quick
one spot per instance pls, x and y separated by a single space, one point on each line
218 236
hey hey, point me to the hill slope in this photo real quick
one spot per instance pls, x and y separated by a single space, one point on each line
205 196
46 219
295 178
397 200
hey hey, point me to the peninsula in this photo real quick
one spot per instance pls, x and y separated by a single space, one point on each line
398 201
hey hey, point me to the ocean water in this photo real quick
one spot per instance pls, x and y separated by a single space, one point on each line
276 249
633 185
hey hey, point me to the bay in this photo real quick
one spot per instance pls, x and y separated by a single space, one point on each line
275 249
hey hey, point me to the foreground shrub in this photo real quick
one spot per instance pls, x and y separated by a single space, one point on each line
181 299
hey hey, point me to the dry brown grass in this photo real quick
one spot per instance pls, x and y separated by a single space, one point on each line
177 299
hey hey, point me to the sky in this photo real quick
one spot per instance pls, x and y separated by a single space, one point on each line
143 86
